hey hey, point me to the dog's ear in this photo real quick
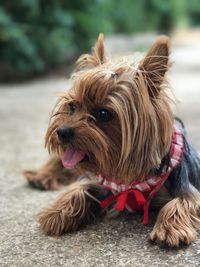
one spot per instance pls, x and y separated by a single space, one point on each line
97 57
155 64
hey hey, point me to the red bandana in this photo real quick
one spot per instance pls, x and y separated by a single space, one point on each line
137 195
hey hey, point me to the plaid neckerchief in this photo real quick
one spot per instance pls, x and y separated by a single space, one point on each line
138 194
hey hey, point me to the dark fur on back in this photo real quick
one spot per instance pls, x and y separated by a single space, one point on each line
186 177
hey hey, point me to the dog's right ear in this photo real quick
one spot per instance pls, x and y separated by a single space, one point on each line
155 65
97 57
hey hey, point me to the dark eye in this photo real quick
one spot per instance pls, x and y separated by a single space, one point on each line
103 115
72 107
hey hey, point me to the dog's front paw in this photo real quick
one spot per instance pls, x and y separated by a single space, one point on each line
68 212
172 235
51 222
56 222
42 181
177 223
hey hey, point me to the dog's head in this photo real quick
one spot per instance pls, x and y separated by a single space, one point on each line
116 120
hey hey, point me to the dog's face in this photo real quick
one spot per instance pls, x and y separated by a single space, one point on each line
116 119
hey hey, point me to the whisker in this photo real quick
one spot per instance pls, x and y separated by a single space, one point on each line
59 113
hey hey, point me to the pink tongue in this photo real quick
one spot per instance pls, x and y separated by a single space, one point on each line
72 157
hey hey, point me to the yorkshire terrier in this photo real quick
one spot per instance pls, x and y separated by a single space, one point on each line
115 131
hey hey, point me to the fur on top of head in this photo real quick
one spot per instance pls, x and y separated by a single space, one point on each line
119 112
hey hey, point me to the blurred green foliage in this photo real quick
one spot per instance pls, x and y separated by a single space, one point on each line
37 35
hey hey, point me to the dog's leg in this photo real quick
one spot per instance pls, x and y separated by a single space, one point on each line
178 221
75 207
50 176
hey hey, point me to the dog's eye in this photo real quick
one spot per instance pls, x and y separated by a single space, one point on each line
103 115
71 107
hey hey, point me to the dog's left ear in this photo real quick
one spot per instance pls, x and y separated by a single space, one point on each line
155 64
97 57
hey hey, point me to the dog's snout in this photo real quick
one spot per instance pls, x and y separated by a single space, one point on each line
65 134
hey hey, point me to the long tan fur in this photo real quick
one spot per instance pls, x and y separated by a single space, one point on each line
69 211
140 134
178 221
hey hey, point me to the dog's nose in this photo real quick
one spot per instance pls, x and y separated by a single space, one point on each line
65 134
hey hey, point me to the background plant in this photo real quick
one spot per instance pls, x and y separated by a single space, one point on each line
38 35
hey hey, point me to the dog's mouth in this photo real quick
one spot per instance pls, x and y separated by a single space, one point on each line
72 157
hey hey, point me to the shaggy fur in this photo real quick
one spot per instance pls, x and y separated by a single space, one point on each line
133 139
76 206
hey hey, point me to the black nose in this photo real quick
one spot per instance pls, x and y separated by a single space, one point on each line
65 134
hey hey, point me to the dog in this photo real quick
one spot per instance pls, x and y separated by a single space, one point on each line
115 133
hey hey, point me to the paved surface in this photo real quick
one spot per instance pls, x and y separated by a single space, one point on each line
24 111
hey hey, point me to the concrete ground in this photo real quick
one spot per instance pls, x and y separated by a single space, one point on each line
24 113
